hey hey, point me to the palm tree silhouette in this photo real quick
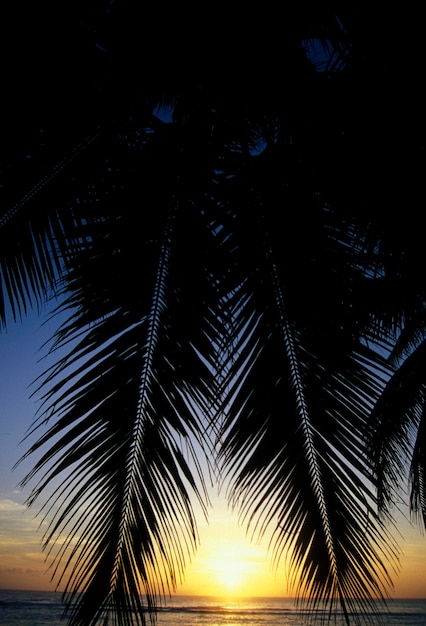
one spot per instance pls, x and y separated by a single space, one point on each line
231 232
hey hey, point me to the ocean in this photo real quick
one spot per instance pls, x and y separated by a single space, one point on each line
43 608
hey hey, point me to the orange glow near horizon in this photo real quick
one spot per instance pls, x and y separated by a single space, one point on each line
230 566
226 564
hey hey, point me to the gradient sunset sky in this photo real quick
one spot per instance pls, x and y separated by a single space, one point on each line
226 563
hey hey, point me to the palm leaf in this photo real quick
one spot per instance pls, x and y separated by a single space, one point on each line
31 256
396 434
126 392
294 436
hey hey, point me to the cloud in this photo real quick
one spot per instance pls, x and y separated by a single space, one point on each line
20 571
10 510
19 530
10 505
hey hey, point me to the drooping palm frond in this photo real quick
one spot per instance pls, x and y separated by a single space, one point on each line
294 436
123 494
301 476
127 399
31 256
418 475
395 438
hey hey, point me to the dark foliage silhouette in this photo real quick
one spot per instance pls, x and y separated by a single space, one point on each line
225 209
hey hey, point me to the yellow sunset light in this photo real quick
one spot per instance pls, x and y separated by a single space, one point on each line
230 570
228 562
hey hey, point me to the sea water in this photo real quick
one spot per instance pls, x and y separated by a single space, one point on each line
42 608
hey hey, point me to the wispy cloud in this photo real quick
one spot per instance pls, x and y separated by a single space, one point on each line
19 529
20 571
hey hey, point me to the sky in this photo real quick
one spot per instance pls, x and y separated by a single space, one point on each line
226 563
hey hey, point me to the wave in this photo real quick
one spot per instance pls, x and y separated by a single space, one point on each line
224 610
280 608
271 609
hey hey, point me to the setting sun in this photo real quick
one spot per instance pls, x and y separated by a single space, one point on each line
230 569
231 566
227 563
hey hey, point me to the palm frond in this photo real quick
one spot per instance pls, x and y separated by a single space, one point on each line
293 439
418 476
31 259
395 433
126 401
